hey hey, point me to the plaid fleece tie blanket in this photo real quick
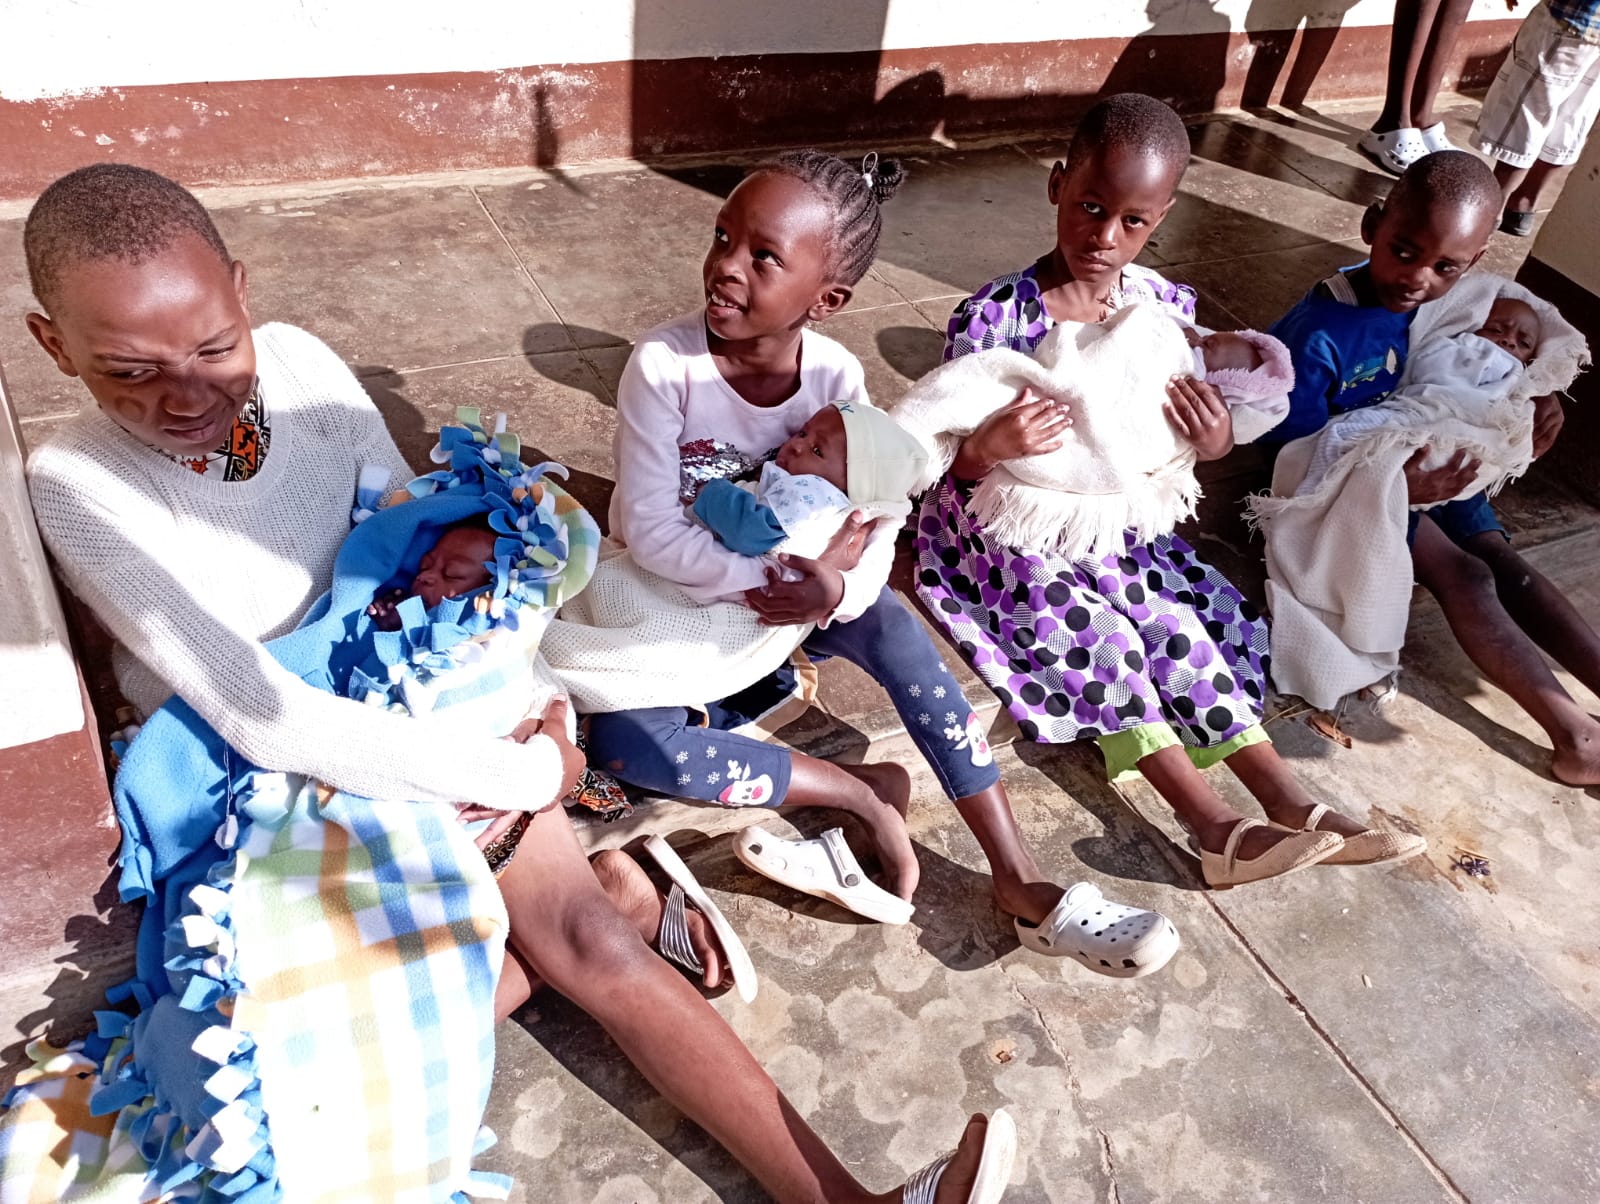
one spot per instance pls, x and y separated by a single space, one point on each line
312 1017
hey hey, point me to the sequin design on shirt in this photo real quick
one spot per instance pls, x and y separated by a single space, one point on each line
702 460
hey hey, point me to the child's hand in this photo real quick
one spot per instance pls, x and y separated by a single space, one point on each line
501 822
1548 419
1427 486
553 723
1028 426
844 549
810 600
1200 415
384 610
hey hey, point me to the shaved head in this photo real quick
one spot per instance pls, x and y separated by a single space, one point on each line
1132 122
109 211
1454 181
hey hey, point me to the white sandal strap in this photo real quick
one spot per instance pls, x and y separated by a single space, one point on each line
922 1186
845 866
1314 818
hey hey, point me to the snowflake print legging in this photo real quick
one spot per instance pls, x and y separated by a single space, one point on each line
661 749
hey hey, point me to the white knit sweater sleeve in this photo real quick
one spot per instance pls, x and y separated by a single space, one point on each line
111 543
658 531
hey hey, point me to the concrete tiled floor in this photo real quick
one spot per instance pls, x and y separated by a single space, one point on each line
1378 1035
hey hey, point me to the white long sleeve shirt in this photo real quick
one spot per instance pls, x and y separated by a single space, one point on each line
671 396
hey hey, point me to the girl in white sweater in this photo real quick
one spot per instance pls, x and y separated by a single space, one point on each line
712 394
193 552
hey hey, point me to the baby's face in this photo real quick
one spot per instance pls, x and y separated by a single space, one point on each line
1513 325
818 449
454 566
1225 350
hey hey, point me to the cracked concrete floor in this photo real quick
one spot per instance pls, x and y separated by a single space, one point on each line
1380 1035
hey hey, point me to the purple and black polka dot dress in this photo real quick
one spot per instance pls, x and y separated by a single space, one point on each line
1083 648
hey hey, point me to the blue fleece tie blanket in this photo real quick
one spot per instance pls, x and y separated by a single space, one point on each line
313 1004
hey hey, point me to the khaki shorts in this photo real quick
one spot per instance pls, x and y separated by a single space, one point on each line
1544 100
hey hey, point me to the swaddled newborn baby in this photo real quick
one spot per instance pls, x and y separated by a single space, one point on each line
1475 368
848 457
1253 373
457 564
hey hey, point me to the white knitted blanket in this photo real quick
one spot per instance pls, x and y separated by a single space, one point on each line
1338 567
1122 465
633 639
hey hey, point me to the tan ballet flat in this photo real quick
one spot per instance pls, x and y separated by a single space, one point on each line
1372 847
1226 869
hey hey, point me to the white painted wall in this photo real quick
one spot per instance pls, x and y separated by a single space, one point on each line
39 694
58 48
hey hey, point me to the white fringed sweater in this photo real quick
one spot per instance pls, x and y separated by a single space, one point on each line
190 574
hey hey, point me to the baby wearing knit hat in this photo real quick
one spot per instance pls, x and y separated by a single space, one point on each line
849 457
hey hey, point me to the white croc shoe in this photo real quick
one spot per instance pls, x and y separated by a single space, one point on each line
1394 151
1108 938
1435 139
823 866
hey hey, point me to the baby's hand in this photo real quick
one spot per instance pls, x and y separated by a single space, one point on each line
1200 415
384 611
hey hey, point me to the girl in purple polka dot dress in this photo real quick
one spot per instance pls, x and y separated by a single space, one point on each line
1150 650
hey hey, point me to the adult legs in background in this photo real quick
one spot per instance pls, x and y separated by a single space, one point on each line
566 930
1420 44
1466 590
1522 186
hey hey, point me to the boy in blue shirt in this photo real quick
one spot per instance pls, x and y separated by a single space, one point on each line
1349 337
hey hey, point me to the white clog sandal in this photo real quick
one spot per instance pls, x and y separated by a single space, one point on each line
823 866
1107 937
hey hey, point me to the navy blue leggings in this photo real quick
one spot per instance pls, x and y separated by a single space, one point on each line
667 749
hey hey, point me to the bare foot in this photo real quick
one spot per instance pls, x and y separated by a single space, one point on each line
955 1185
636 897
1294 815
1577 765
890 782
890 785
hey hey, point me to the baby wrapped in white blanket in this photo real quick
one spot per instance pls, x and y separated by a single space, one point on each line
1122 464
1338 564
634 639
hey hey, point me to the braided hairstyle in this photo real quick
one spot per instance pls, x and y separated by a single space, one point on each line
854 194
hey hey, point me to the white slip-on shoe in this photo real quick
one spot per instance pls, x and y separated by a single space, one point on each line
1394 151
1435 139
1107 937
823 866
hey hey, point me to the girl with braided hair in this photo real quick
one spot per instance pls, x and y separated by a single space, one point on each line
713 394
